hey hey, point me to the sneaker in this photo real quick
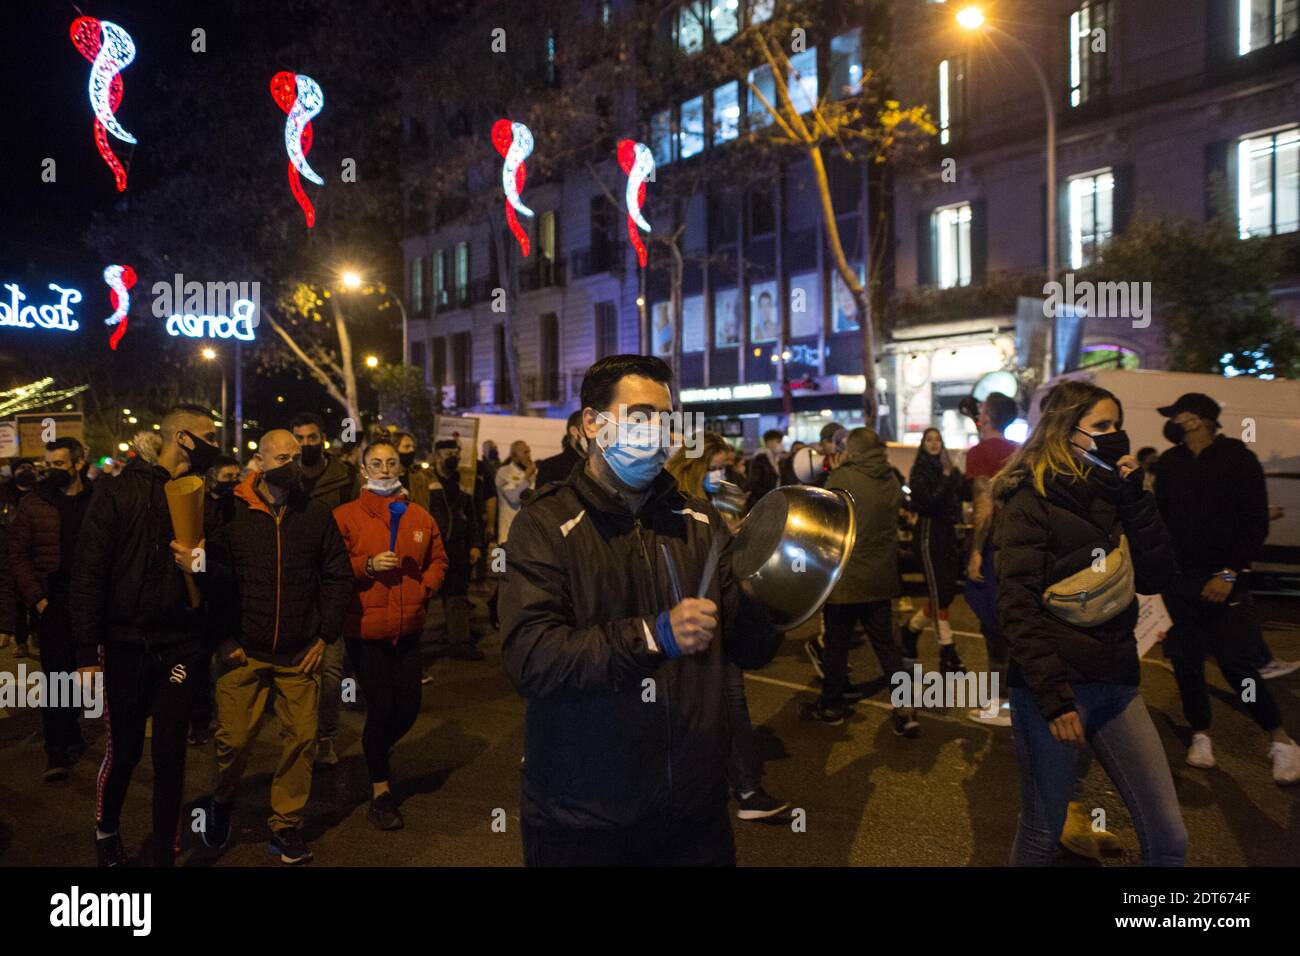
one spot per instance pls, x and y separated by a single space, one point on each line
326 756
814 653
383 813
467 652
199 738
108 850
759 805
289 845
1200 754
1277 668
216 830
909 638
905 722
995 716
830 714
56 768
1286 761
949 660
854 692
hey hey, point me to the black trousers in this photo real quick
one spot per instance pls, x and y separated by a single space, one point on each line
389 675
58 657
877 619
141 681
1229 632
706 841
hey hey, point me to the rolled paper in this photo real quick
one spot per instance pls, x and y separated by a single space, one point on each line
395 509
185 504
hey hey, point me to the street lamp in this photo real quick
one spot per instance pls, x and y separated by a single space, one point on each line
971 18
372 361
351 280
210 354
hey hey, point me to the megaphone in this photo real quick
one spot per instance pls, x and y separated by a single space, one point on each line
807 464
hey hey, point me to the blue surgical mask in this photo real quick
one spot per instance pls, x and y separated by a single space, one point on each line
632 451
713 480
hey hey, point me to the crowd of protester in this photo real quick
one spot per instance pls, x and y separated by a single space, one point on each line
323 561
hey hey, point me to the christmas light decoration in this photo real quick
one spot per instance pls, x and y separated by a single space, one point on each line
514 141
639 164
59 317
238 325
301 99
35 395
118 279
110 50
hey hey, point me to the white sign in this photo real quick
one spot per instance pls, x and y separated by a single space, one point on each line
726 393
22 316
8 440
693 323
237 325
1153 622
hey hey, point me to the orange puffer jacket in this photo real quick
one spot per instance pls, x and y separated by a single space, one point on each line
391 604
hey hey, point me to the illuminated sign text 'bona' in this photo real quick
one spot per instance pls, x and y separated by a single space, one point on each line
238 325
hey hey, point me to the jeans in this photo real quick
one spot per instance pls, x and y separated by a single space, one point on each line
982 596
331 689
1121 734
743 770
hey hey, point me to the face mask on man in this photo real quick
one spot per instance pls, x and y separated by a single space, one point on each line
224 488
288 477
384 487
1174 432
58 479
713 480
634 452
1110 448
202 455
312 455
451 465
407 458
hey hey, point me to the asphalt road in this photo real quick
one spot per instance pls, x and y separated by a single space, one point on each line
948 798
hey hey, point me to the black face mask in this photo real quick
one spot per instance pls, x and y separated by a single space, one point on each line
451 466
58 479
1111 447
407 458
223 489
202 455
1174 433
312 455
288 477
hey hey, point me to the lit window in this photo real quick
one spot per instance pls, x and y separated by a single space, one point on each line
952 232
1262 23
726 112
462 272
690 27
661 137
952 98
1267 183
760 11
691 136
439 280
761 79
725 19
550 56
803 80
417 283
1088 51
546 235
1091 211
846 65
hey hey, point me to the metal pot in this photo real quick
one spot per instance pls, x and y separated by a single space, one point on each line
792 548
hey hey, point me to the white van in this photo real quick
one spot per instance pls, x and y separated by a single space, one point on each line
1265 415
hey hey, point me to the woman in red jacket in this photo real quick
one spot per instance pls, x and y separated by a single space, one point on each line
393 585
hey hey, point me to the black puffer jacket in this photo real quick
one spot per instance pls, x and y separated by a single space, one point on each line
584 583
278 582
125 586
1039 540
934 494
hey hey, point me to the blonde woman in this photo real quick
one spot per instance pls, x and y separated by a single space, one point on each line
701 476
1072 500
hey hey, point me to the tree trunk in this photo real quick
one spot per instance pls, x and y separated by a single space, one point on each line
345 360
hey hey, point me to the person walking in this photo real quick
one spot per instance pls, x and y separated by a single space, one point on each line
393 584
573 453
461 527
285 584
1076 539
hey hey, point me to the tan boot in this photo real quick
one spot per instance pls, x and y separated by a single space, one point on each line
1077 835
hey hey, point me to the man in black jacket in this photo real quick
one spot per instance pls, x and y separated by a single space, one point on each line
557 467
456 512
132 617
625 739
285 583
765 467
1212 495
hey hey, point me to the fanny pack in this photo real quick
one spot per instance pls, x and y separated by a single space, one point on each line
1090 597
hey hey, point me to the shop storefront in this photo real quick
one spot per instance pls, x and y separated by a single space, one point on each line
742 413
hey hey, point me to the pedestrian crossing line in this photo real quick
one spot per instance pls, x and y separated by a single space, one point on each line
879 704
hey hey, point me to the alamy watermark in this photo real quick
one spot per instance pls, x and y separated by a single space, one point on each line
57 689
1100 300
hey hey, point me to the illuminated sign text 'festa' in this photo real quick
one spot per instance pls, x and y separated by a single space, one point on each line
58 317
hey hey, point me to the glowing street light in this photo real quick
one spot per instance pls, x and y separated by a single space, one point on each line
970 18
209 353
351 279
372 361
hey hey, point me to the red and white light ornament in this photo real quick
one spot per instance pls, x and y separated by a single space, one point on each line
514 141
110 50
301 99
639 163
118 279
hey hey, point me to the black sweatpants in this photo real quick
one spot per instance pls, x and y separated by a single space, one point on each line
141 681
58 657
877 619
1231 633
707 841
390 678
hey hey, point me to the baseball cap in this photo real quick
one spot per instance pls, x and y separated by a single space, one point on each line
1198 403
